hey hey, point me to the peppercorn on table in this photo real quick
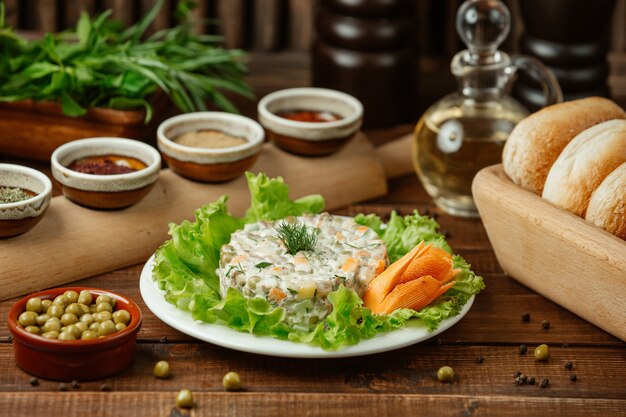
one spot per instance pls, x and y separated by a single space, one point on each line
484 350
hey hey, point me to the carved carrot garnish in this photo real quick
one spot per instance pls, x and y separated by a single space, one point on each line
414 281
380 286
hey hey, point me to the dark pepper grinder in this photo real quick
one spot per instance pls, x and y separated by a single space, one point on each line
363 48
572 38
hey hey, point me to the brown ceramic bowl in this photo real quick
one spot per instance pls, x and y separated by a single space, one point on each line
310 138
210 164
105 191
20 217
81 360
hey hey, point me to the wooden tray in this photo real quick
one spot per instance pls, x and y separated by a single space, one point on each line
34 129
559 255
73 242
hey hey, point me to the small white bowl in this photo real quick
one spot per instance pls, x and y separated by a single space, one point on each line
20 217
105 191
210 164
310 138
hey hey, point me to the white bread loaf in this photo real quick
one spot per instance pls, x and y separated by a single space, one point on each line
607 207
584 163
536 141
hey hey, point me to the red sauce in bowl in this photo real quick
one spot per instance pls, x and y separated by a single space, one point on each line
309 116
107 165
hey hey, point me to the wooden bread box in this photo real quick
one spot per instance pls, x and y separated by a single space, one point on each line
561 256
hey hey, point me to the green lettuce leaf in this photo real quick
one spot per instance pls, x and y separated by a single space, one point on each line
403 233
185 270
269 200
185 265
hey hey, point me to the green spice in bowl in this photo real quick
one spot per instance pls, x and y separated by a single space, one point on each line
24 198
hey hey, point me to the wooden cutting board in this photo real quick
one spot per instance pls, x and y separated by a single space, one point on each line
73 242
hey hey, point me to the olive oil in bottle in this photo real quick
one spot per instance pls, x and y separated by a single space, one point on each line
450 148
465 131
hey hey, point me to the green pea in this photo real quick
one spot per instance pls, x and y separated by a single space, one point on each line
84 309
74 309
231 381
94 326
27 318
104 299
100 307
89 334
66 336
45 305
87 319
42 319
68 318
85 297
52 325
60 301
82 327
120 326
50 335
445 374
121 316
184 399
161 369
542 352
92 308
106 328
72 329
34 304
32 329
103 316
55 310
70 296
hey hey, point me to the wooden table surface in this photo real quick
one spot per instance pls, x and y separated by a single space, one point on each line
401 382
395 383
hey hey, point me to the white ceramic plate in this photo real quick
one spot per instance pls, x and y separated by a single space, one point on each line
221 335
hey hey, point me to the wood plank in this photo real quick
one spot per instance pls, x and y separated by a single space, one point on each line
422 34
267 24
397 157
412 370
618 28
151 404
12 12
42 15
163 18
74 8
232 15
199 15
406 190
293 67
301 28
498 307
123 10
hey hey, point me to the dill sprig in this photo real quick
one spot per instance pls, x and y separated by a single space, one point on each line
296 237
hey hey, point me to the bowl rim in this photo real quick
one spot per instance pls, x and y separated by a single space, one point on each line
42 343
150 169
256 140
34 173
263 110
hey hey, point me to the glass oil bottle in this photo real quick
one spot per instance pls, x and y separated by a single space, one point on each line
465 131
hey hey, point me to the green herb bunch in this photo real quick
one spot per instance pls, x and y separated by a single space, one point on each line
296 237
101 64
